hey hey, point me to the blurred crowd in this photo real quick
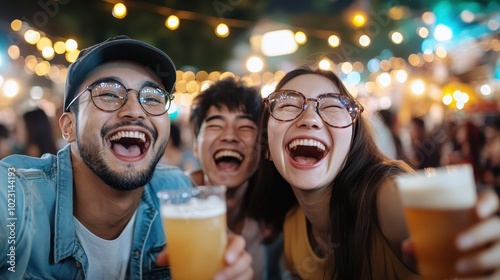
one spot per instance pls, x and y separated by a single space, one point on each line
34 134
457 140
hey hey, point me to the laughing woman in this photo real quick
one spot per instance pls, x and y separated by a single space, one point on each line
326 186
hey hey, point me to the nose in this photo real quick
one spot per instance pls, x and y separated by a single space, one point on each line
229 134
310 117
132 108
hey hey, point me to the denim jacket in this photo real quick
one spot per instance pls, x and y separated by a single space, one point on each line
37 231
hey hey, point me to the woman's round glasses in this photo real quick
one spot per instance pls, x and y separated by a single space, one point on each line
335 109
110 95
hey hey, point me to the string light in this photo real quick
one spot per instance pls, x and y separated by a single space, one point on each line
43 42
172 22
71 45
359 20
71 56
255 64
32 36
48 52
300 37
16 25
325 64
423 32
10 88
418 87
364 40
59 47
334 41
119 11
397 37
14 52
222 30
429 18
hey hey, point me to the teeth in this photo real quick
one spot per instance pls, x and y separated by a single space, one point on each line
227 153
307 142
128 134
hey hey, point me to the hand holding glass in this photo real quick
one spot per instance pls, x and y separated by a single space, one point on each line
194 221
439 205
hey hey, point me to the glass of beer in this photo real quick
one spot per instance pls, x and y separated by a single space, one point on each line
439 205
194 221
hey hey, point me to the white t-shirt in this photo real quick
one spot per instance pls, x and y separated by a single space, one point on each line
108 259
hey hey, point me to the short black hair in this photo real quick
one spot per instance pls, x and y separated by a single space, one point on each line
229 92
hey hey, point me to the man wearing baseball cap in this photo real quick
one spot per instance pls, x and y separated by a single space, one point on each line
91 212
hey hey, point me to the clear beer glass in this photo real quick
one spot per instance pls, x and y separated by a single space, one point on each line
194 221
439 205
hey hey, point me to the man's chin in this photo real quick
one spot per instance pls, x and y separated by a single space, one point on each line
125 179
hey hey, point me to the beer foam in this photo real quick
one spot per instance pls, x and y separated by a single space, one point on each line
444 188
195 208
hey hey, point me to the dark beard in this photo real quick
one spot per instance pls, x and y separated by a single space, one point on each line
127 181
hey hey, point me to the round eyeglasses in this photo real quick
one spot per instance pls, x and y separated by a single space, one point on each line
110 95
335 109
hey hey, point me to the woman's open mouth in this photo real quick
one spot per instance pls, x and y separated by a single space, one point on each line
306 151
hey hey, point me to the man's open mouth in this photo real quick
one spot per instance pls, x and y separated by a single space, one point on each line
307 151
129 143
228 160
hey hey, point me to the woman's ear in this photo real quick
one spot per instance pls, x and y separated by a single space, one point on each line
67 125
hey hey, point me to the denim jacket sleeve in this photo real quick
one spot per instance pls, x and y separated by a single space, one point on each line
32 244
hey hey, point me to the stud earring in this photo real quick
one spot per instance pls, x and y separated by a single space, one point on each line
267 155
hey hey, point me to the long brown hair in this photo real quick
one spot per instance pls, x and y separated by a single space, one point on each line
352 211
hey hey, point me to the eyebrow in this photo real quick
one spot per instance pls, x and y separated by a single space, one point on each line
238 117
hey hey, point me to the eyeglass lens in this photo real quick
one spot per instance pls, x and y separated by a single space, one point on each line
110 96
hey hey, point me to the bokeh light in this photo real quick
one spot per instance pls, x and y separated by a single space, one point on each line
119 11
172 22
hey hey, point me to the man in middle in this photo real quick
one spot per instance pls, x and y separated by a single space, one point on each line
224 118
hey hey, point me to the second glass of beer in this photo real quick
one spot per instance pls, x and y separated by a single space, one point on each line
194 221
439 205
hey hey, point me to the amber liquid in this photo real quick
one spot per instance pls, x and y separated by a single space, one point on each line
434 234
196 246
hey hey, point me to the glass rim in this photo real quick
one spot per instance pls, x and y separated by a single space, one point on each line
434 171
169 97
192 191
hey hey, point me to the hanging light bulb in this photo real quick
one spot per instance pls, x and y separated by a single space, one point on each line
334 41
172 22
222 30
359 20
119 11
300 37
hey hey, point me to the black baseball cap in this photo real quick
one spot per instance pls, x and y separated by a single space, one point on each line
117 48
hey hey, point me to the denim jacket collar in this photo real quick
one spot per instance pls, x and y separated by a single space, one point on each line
64 227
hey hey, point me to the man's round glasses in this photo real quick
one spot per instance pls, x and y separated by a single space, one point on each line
335 109
110 95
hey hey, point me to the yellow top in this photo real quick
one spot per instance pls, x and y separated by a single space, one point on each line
301 260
